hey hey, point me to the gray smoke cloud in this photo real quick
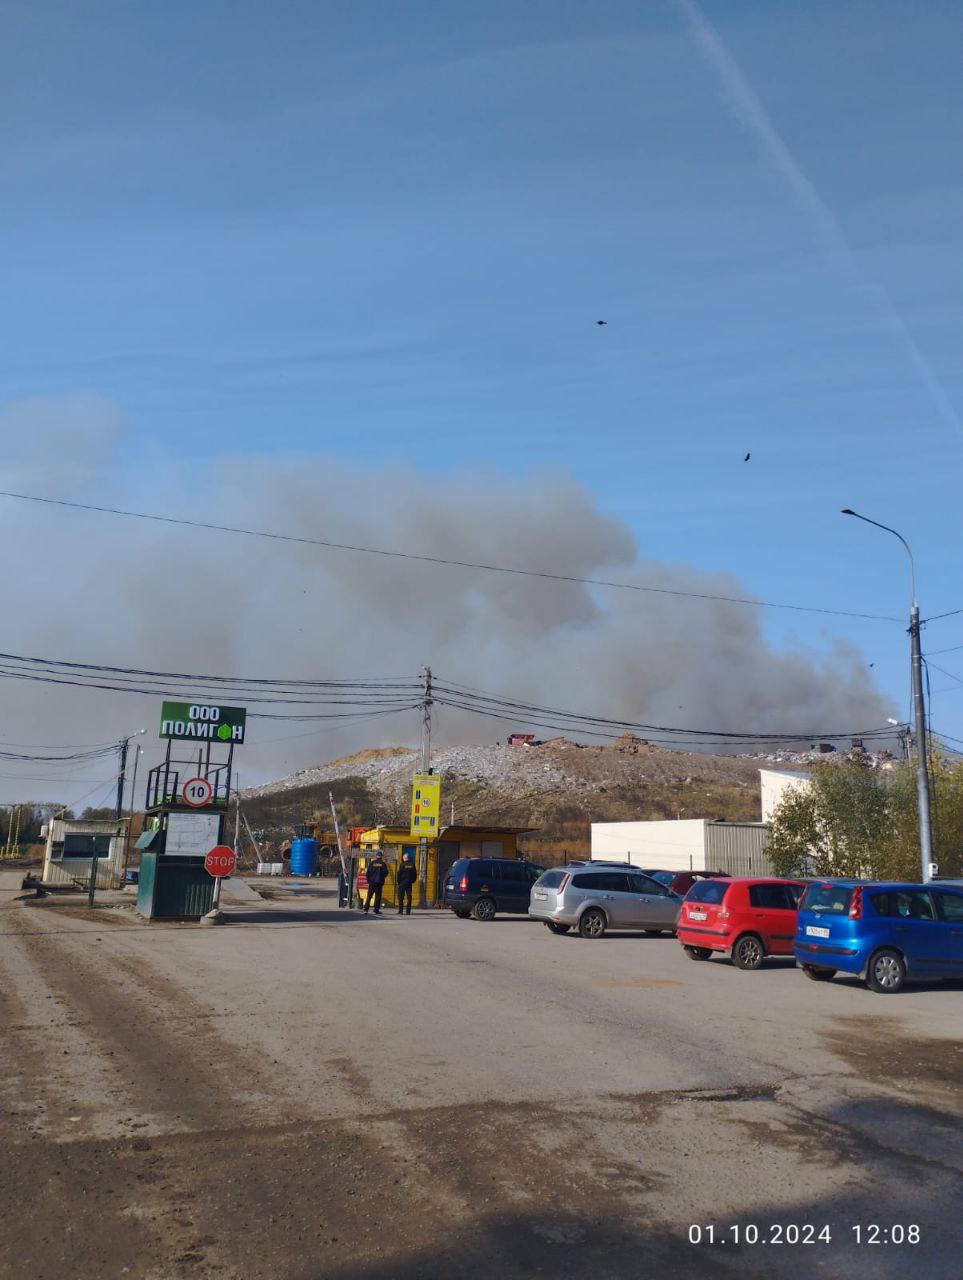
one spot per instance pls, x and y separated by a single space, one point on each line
92 588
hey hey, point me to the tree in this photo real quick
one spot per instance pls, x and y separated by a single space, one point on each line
99 815
858 821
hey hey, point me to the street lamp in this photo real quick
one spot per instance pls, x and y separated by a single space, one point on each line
922 775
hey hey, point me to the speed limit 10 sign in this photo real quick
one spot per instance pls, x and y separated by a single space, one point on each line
197 792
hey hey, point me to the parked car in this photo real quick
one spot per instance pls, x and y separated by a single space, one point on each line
481 887
681 882
749 918
595 897
887 934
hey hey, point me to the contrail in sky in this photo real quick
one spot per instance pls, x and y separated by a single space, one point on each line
751 112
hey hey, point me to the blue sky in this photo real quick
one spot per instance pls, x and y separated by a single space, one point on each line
385 232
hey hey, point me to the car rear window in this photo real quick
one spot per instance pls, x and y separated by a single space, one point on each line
551 879
513 871
827 899
610 881
459 868
771 896
648 884
663 877
708 891
951 906
905 904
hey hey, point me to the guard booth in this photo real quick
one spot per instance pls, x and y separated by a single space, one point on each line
187 799
73 845
451 844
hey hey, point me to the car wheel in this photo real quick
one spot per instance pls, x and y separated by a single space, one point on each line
592 923
886 972
748 953
557 928
697 953
462 915
818 975
484 909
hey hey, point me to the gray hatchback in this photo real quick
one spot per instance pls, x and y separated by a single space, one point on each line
595 898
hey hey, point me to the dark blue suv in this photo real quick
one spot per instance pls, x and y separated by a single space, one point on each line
887 933
480 887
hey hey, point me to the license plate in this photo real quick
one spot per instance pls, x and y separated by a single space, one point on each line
697 915
813 932
539 894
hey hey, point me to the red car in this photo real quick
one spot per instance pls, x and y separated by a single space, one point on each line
749 918
681 882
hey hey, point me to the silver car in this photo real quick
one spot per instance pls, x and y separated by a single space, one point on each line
593 898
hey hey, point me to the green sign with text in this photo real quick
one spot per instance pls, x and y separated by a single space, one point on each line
202 721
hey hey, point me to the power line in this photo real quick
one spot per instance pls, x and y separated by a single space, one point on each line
494 704
937 616
388 694
599 726
368 699
943 672
60 758
948 736
443 560
391 682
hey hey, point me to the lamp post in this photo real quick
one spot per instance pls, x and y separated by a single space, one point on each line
919 709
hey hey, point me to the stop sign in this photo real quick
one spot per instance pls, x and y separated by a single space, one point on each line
221 861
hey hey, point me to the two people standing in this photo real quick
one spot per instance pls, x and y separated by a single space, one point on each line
377 873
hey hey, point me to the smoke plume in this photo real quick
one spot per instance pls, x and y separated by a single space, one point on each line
100 589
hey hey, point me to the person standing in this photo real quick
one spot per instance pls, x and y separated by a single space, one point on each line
407 875
377 873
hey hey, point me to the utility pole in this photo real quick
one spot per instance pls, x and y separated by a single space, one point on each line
237 820
927 866
133 803
922 772
122 777
425 768
426 724
121 781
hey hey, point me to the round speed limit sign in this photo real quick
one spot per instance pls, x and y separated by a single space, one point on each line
197 792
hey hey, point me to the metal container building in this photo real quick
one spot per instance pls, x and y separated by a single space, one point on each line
72 842
688 844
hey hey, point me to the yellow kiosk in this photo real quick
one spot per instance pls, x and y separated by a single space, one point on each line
446 848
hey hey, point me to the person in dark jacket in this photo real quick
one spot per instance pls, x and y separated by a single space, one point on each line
377 873
407 875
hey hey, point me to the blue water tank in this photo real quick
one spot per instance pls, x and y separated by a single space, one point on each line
304 856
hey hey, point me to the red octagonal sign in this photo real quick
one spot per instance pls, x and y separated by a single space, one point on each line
221 861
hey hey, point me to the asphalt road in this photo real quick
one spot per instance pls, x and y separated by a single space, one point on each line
306 1093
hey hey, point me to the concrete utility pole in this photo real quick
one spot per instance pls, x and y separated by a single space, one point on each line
426 724
927 866
425 768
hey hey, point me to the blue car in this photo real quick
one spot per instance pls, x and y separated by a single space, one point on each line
888 934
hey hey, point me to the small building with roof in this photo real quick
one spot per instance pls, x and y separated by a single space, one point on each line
453 842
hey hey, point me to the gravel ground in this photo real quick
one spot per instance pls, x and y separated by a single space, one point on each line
558 765
306 1093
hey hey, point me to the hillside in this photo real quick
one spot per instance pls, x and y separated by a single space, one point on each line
558 787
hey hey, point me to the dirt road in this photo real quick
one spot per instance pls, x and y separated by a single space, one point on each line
303 1093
